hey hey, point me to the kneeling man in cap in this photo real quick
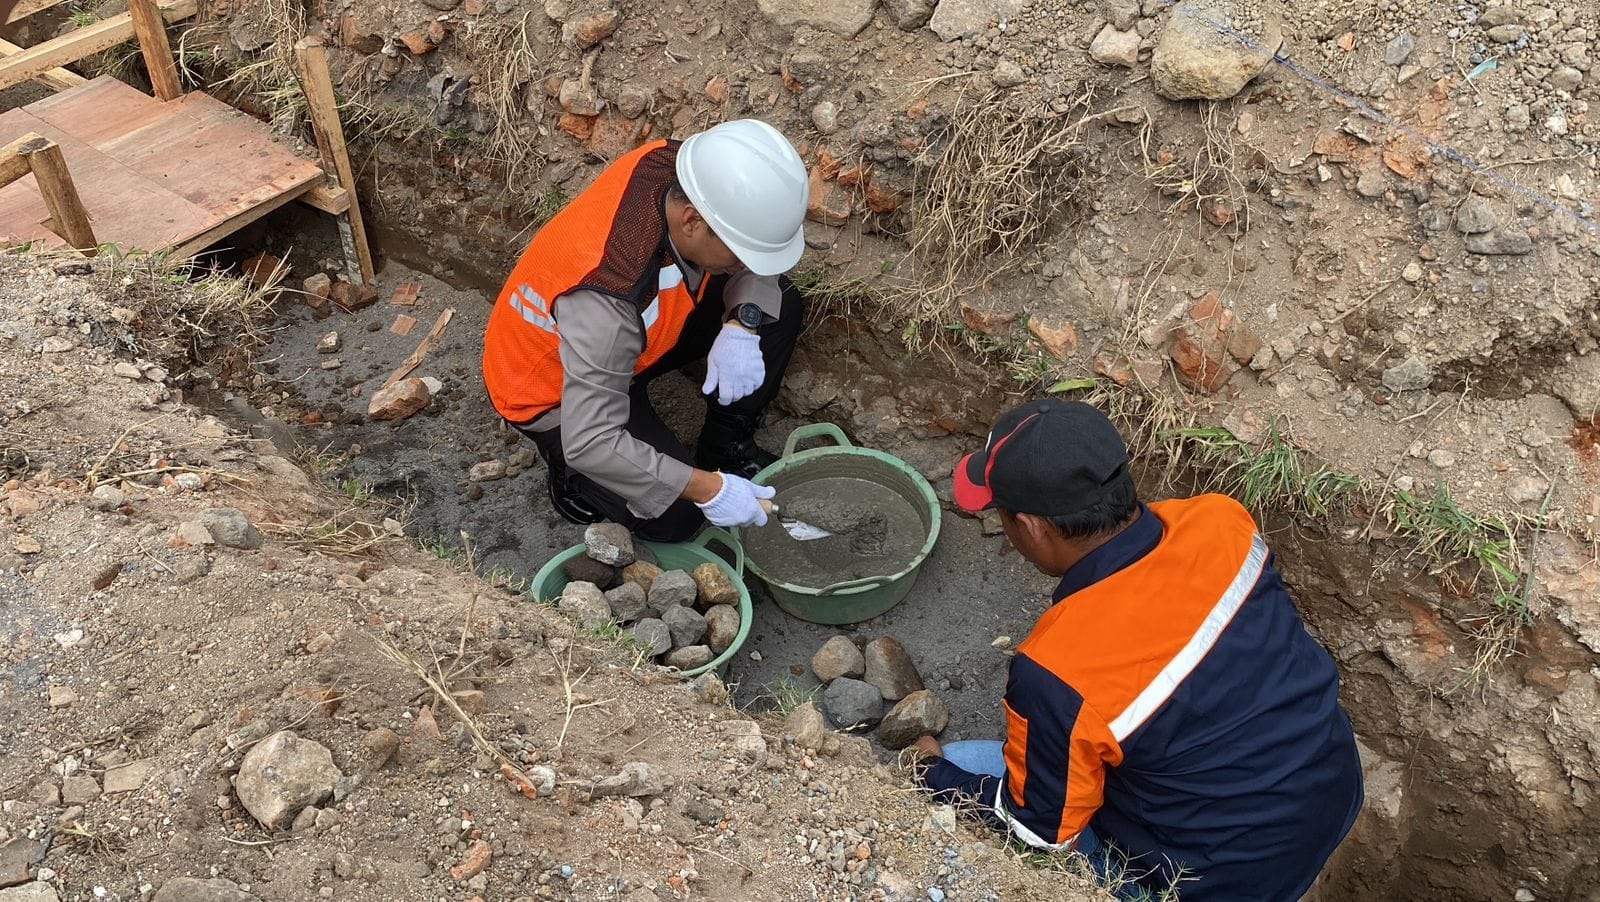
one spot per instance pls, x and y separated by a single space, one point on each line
1169 716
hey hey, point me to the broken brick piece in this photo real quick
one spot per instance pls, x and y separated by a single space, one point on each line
352 297
406 294
403 324
1059 338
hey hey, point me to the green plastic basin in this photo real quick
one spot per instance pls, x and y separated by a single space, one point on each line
854 600
551 579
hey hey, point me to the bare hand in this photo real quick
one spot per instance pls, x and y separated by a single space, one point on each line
929 746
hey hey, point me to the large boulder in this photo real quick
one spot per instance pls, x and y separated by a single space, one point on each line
1210 49
852 703
838 657
282 775
890 669
919 714
842 17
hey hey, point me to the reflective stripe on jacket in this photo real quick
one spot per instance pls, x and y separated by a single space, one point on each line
612 239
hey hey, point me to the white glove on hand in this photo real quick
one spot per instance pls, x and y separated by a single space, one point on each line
737 503
735 367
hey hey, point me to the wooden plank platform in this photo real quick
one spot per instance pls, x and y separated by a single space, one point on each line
154 176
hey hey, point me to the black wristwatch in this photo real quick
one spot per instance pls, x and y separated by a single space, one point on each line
749 316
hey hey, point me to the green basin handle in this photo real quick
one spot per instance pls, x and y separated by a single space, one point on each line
716 534
868 582
815 430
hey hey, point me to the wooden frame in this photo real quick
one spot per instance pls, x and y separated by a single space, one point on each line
81 42
55 79
42 157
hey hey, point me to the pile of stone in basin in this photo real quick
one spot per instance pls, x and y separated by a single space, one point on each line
860 680
685 619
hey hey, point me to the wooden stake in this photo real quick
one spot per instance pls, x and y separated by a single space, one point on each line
151 31
13 165
318 87
60 195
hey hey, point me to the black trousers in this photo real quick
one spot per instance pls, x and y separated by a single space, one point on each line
683 519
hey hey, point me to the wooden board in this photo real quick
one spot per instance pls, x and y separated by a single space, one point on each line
123 209
214 156
81 42
154 176
102 110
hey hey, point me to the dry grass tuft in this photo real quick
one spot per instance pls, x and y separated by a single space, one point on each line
996 181
510 68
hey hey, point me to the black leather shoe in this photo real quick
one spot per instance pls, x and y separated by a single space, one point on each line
568 502
728 443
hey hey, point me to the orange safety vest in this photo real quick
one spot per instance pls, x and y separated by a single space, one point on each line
612 239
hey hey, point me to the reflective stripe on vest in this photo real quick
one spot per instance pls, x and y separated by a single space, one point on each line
521 353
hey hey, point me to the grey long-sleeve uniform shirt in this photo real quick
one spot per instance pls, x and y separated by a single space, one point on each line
601 338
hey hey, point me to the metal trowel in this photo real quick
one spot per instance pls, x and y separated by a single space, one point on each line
799 530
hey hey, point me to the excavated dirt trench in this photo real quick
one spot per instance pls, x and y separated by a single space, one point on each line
1474 792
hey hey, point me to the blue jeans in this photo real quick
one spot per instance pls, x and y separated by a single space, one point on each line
986 756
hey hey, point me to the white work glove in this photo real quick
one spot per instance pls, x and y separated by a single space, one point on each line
735 367
737 503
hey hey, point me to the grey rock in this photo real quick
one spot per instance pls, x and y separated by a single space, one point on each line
672 587
636 779
1400 49
806 725
744 739
1504 241
1193 60
229 527
487 471
37 891
1565 78
688 626
1122 14
193 889
909 15
1007 74
1527 489
1507 34
842 17
954 19
627 603
890 669
919 714
722 627
709 688
585 603
443 6
652 635
633 100
609 543
852 703
689 657
1408 375
1496 16
584 569
1115 48
306 820
79 790
838 657
714 585
130 776
282 774
1372 182
1475 216
1441 458
1577 384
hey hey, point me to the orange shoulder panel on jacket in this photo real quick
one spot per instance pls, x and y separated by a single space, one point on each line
1109 640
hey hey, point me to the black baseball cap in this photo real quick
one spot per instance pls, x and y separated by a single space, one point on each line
1048 457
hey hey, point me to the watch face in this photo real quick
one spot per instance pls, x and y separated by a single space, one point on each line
749 315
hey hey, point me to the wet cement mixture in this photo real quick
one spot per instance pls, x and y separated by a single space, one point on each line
874 533
960 647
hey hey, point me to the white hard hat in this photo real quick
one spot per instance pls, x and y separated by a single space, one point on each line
750 186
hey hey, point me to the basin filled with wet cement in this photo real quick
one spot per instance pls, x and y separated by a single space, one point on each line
882 515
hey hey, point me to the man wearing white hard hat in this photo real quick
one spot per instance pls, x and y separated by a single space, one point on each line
673 255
